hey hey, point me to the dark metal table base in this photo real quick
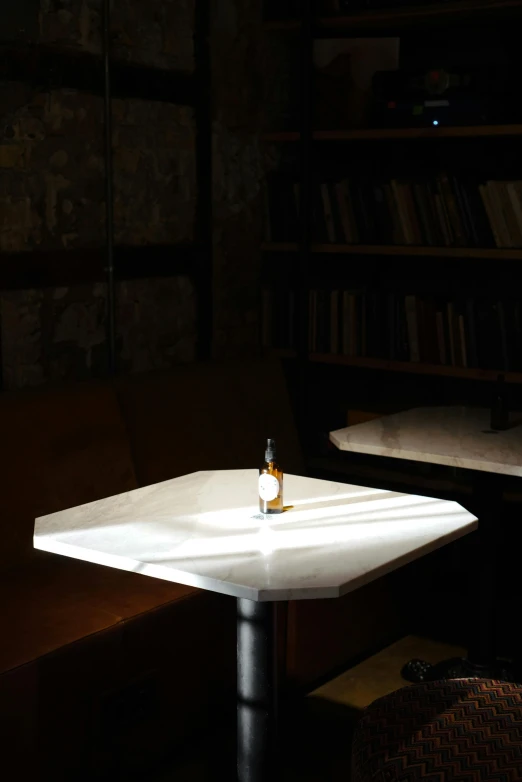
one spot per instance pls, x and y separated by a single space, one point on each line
257 696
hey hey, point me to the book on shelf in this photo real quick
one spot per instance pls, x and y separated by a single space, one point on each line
479 333
439 211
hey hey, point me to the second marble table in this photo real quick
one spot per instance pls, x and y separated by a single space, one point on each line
458 437
205 530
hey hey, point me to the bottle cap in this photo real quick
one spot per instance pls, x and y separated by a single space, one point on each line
271 451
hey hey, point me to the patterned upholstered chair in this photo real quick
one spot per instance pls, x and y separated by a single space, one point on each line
460 730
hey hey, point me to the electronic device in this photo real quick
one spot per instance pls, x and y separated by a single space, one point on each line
459 95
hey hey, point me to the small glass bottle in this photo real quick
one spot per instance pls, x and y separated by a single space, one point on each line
270 482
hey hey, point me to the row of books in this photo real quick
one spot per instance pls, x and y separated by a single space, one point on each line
480 333
483 333
441 211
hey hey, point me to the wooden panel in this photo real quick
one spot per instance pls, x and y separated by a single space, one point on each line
324 635
379 134
71 680
51 601
189 653
206 416
41 614
60 448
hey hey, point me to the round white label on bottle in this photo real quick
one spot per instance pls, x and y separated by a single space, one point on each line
268 487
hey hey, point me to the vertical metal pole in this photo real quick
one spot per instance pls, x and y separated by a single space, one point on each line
109 196
204 174
302 271
256 691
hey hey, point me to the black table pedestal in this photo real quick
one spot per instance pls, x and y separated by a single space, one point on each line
481 662
257 696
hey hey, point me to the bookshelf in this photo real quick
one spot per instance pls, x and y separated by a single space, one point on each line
441 199
411 367
492 253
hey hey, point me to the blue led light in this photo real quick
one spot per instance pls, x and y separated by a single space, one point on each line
435 122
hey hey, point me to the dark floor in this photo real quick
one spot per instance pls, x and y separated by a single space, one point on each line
316 746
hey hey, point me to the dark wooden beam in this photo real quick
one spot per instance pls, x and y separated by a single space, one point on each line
57 268
52 68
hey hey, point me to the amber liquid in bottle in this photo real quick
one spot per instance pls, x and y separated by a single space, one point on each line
270 482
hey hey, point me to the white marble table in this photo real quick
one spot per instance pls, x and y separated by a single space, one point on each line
457 437
453 436
205 530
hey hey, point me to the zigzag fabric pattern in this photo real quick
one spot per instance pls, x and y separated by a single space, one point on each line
460 730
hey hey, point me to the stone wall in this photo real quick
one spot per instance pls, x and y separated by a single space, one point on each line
52 187
52 197
150 32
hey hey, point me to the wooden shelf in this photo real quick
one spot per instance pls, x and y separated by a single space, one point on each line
415 368
408 367
410 16
383 134
492 253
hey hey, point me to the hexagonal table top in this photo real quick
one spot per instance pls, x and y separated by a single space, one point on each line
205 530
